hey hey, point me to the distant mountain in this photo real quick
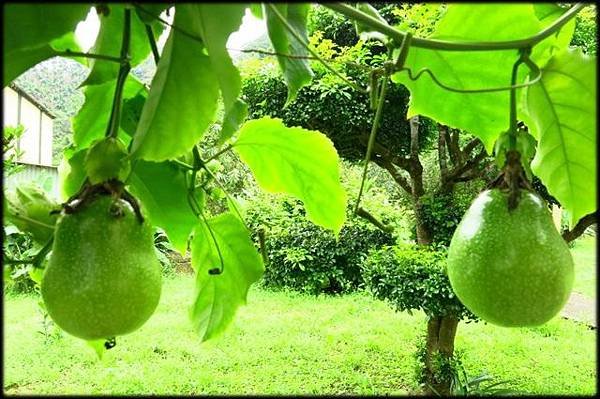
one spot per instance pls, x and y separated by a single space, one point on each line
260 43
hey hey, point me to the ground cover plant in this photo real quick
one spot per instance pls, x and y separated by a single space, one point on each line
496 110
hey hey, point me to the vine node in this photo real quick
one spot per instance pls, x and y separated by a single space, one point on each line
512 179
89 192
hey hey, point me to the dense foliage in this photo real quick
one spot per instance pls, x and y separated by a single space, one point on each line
333 108
305 257
413 278
341 30
586 30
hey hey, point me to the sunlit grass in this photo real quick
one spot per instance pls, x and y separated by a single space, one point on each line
284 343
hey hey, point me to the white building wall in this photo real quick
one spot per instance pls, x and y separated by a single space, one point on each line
35 144
29 143
10 107
46 141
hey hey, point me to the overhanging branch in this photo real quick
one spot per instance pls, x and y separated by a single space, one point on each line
580 227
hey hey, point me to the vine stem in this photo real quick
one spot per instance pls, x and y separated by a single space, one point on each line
115 115
153 44
198 163
32 221
197 209
376 121
182 164
69 53
532 66
219 153
258 51
310 50
214 239
398 36
228 196
512 132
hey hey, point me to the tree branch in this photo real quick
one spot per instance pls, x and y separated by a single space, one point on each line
470 146
396 175
455 153
363 213
442 160
580 227
469 176
469 165
379 149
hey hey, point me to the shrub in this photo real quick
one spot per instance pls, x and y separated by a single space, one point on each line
413 278
306 257
18 245
586 30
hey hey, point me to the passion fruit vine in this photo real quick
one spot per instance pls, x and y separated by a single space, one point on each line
103 278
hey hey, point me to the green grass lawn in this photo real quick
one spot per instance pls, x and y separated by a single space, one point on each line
584 256
284 343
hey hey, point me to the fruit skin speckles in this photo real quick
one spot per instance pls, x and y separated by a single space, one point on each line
103 278
512 269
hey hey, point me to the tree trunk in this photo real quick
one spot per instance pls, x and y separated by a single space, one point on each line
441 332
423 233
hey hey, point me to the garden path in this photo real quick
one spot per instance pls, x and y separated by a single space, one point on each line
580 308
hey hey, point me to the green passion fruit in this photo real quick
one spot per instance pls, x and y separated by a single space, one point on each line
103 278
510 268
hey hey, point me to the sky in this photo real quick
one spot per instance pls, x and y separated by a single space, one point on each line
250 29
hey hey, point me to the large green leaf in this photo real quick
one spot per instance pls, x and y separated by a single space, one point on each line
18 61
547 13
297 72
91 121
182 99
28 26
485 115
219 295
256 10
162 190
562 113
296 161
215 22
109 40
71 172
149 12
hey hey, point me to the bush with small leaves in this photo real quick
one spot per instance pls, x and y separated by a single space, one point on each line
413 278
309 258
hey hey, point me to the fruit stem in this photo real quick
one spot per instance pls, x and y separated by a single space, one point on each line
115 115
513 175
